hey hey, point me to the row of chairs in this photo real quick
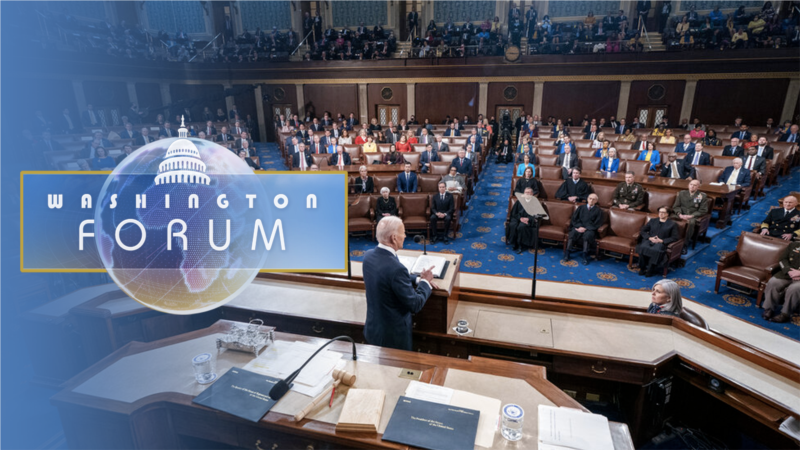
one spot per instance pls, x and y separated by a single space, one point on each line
414 210
619 233
549 147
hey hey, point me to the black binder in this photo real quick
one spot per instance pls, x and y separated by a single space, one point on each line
241 393
433 426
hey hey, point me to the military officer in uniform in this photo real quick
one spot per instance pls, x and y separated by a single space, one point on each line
786 284
783 222
628 194
689 206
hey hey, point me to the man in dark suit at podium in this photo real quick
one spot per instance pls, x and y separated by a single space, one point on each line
442 208
391 295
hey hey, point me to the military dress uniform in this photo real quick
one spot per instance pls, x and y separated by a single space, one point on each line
782 283
632 195
695 205
779 222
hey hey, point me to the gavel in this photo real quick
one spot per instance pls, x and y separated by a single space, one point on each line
339 376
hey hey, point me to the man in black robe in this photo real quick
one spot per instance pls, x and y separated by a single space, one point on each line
574 189
585 222
656 234
522 231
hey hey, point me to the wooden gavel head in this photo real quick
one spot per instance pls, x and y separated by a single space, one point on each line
346 378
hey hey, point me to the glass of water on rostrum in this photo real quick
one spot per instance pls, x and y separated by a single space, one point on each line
512 422
203 365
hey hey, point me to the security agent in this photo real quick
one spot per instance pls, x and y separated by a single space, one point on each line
391 295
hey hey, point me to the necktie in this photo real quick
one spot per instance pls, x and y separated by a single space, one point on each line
461 162
792 138
741 135
750 161
341 162
442 197
302 162
674 170
566 161
696 158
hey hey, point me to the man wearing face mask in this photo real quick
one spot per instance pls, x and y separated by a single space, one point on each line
391 295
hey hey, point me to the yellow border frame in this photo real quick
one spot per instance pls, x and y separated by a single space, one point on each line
108 172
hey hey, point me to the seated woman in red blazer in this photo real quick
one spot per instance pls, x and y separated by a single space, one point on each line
403 146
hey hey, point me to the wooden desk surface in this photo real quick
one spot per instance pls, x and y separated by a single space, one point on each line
115 386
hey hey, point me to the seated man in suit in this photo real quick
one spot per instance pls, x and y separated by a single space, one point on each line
302 133
754 162
505 152
522 231
687 146
407 180
425 138
144 138
167 130
302 158
568 161
90 118
251 151
452 131
793 135
592 134
574 189
391 296
443 206
316 147
640 144
783 289
586 220
734 149
427 157
735 174
340 158
316 126
237 129
476 138
462 164
335 132
696 158
455 182
690 205
47 144
223 137
783 222
439 146
675 168
763 149
127 149
210 129
628 194
128 133
243 136
742 134
621 127
567 143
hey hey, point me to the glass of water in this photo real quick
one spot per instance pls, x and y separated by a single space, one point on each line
203 365
512 422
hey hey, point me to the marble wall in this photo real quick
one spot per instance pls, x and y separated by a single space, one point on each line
265 15
460 11
352 13
174 16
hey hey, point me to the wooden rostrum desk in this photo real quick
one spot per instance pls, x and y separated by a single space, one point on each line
141 397
620 352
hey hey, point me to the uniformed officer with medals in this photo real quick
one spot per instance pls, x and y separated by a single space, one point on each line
690 205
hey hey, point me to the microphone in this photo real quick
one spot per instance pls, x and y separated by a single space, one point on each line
419 239
282 387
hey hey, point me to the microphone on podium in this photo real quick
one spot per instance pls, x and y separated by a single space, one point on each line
419 239
282 387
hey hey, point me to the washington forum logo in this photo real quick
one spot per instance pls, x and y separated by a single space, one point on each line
183 225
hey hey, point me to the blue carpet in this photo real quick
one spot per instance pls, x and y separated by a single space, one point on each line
480 241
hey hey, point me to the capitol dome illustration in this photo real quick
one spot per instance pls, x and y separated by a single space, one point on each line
182 163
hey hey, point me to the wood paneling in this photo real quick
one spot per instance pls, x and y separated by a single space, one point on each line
196 97
575 99
101 94
720 101
245 100
288 96
436 101
334 98
673 98
149 95
399 97
496 97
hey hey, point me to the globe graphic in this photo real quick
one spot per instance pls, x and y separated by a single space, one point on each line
181 179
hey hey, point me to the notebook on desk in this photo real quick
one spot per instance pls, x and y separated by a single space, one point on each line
432 425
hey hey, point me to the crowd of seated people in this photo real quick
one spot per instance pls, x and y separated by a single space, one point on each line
347 44
89 143
737 30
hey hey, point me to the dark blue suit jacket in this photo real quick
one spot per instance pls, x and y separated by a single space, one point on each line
423 159
561 148
704 160
450 132
463 169
743 179
679 148
391 299
411 186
